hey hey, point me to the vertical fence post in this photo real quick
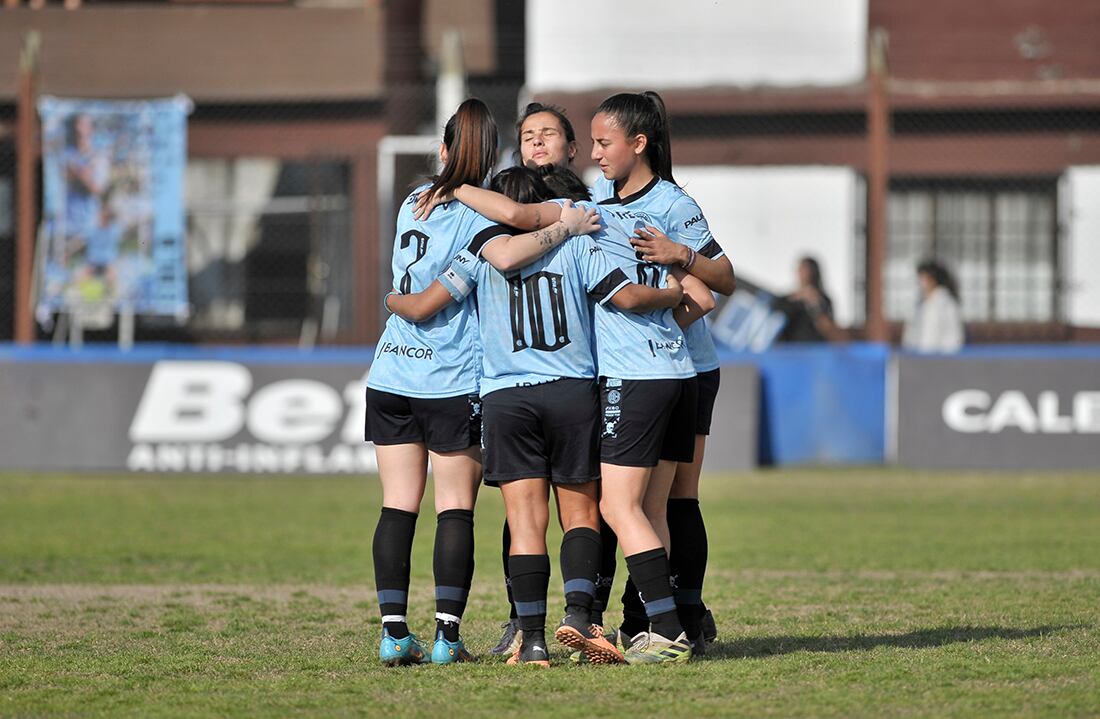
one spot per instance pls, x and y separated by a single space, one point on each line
26 153
365 249
878 179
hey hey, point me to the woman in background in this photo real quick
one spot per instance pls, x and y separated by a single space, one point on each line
937 326
809 309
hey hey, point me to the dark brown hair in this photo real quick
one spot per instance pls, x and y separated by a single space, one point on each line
940 275
643 113
521 184
563 183
471 140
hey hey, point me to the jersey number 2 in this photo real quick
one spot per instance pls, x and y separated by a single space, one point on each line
405 285
528 291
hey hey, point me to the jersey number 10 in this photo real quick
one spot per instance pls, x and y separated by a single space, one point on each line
528 291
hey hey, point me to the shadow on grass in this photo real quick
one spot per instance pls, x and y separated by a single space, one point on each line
919 639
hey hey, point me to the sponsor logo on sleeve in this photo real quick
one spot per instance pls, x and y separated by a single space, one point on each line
457 282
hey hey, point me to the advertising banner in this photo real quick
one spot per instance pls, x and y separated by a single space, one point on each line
999 413
112 233
184 416
250 413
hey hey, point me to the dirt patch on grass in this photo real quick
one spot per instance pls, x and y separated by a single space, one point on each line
67 611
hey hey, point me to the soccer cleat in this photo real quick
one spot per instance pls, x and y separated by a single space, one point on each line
510 641
400 652
611 637
589 639
532 654
710 629
445 652
652 648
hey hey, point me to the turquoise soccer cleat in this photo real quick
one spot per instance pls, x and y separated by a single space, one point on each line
445 652
400 652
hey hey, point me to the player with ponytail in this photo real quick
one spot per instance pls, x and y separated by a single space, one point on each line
422 402
631 145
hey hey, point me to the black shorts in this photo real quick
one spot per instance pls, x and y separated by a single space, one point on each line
645 420
447 424
546 431
708 392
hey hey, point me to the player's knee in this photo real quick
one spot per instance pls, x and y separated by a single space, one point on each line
614 513
583 516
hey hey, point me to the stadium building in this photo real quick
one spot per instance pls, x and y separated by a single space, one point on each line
991 154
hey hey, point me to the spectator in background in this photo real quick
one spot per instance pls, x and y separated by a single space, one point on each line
808 309
937 326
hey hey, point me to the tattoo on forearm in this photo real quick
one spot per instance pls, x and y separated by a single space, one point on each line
538 218
550 236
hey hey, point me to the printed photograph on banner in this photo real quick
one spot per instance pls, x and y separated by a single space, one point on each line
112 229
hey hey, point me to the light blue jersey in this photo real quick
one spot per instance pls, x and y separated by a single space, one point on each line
633 345
666 206
536 323
439 357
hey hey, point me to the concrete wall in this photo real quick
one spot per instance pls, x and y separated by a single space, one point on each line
578 45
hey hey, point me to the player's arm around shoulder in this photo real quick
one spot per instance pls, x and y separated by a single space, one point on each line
453 285
511 252
494 206
643 298
419 306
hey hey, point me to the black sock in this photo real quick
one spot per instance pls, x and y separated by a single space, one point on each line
634 617
393 538
530 579
580 561
506 549
650 573
454 564
609 544
688 561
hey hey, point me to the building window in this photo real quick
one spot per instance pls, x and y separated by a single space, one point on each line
998 237
269 247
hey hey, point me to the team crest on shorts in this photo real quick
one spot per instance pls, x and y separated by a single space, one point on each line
611 421
614 396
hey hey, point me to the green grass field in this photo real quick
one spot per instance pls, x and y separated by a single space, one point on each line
842 592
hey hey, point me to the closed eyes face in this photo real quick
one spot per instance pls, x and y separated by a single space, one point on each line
542 141
612 150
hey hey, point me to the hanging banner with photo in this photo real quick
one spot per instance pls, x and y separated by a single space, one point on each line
112 233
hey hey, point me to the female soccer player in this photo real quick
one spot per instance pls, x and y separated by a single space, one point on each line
631 146
422 399
541 412
648 393
648 402
545 137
